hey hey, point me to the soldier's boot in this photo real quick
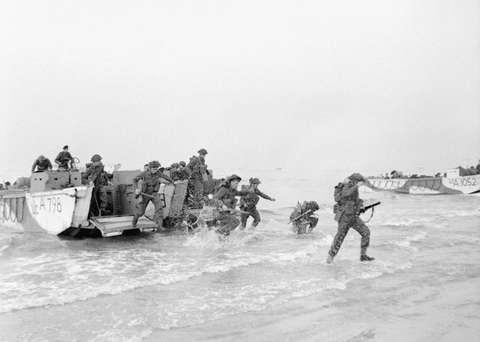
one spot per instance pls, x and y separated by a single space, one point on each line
364 256
329 259
134 221
243 226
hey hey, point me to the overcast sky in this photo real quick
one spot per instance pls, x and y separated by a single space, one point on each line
354 86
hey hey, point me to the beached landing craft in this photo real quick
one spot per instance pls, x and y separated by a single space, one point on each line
452 183
58 203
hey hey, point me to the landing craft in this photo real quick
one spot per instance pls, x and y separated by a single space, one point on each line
58 203
452 183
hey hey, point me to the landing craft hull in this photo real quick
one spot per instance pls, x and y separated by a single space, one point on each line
52 211
425 186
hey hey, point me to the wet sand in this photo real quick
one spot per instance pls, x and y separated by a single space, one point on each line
383 309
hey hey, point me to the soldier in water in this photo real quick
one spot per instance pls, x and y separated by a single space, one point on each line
303 217
226 202
348 207
249 203
151 180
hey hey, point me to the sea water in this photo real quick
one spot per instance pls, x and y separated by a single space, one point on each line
266 284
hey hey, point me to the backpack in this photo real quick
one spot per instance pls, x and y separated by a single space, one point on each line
337 195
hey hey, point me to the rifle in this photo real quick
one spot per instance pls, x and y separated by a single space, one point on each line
371 206
296 218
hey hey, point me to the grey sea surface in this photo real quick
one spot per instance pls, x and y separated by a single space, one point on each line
266 284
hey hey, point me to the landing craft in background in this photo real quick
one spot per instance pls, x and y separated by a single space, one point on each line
452 183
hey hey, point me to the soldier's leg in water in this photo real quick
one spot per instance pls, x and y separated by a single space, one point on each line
256 218
158 216
243 220
343 227
141 207
228 222
364 231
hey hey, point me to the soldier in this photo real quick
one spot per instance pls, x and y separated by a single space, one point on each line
348 207
196 168
63 158
42 164
303 217
225 200
150 186
96 175
249 203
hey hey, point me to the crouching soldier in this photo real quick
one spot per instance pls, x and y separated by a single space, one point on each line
249 203
150 186
303 217
225 200
347 210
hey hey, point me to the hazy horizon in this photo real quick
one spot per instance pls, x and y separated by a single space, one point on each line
345 86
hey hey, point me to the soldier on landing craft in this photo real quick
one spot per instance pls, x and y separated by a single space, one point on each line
177 172
249 203
42 164
348 207
150 186
63 159
196 168
96 175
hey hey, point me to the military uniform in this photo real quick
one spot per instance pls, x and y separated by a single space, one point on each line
97 175
302 217
249 203
42 164
196 168
62 160
150 186
347 216
226 196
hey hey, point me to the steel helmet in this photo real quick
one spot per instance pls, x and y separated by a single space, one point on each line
96 157
154 163
254 181
358 177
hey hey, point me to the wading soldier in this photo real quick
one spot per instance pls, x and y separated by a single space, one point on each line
303 217
348 207
151 180
249 203
225 200
196 168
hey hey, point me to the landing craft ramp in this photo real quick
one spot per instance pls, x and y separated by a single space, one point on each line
116 225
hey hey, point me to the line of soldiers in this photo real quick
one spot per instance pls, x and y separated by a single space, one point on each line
347 209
